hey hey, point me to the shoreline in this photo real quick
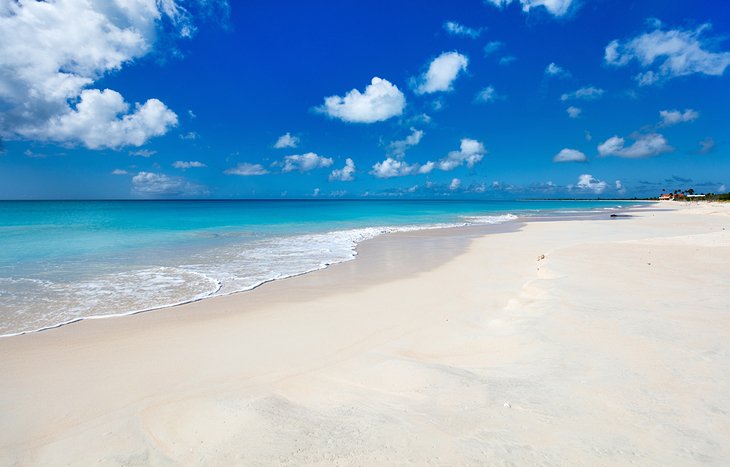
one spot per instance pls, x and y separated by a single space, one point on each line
214 295
470 343
384 231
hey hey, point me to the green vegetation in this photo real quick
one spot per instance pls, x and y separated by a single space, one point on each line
690 191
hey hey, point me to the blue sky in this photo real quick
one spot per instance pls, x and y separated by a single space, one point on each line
431 99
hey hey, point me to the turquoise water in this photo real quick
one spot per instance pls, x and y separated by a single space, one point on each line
61 261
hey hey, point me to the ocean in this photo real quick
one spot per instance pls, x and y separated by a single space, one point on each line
61 261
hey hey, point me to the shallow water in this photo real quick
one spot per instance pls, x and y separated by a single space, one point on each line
61 261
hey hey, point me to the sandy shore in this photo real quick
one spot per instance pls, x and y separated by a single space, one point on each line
449 347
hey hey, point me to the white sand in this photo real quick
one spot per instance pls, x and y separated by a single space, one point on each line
614 349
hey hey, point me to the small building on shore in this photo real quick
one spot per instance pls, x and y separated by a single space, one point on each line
678 196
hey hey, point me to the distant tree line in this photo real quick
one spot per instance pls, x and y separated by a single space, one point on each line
708 196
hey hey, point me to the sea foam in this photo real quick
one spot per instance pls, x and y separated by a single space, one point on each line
30 304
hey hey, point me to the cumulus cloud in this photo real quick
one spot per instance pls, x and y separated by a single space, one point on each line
51 53
470 152
101 119
554 7
442 72
668 54
150 184
286 141
585 93
586 182
391 167
380 101
188 164
569 155
344 174
492 47
672 117
398 148
554 70
305 162
455 184
246 169
487 94
456 29
649 145
619 187
573 112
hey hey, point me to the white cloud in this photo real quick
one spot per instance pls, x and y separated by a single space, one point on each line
586 93
305 162
619 187
101 119
668 54
492 47
143 153
187 164
426 168
421 118
398 148
153 184
487 94
586 182
672 117
554 7
29 153
507 59
119 172
390 168
380 101
646 78
344 174
554 70
455 184
246 169
190 136
456 29
569 155
441 73
573 112
470 152
707 145
437 104
315 192
649 145
52 52
286 141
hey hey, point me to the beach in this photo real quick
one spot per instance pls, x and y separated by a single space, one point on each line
554 341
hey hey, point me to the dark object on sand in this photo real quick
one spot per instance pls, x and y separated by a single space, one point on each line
620 215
